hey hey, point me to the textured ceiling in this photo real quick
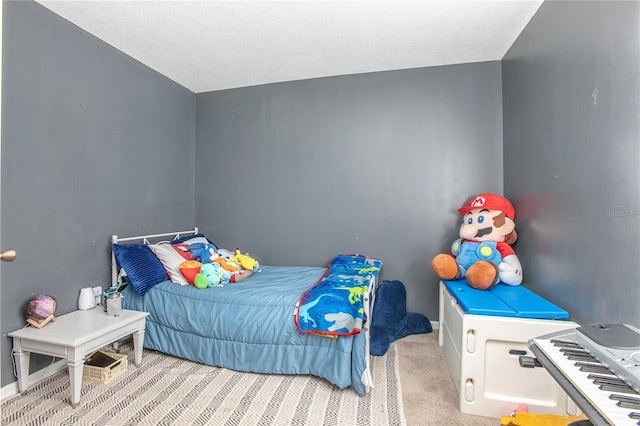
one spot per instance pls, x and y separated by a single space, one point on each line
214 45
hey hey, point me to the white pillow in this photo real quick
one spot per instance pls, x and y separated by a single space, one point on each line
171 260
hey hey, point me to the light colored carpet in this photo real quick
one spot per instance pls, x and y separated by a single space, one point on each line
170 391
428 394
167 390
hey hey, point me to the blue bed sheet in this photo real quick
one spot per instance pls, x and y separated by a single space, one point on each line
249 326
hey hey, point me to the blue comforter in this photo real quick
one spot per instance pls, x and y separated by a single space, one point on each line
249 327
334 306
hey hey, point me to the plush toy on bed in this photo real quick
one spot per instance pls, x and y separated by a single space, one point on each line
483 253
212 275
227 264
247 262
203 252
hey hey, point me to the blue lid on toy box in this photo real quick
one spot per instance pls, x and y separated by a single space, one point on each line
504 301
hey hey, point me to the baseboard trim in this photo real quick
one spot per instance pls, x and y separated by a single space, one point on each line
11 389
435 325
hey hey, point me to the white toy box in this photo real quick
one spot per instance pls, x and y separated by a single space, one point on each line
484 333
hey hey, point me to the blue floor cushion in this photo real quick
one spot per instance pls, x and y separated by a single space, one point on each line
391 321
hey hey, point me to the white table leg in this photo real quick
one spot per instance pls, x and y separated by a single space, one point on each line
75 364
57 341
22 359
138 342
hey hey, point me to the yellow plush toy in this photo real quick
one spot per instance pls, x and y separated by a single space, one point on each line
246 261
527 419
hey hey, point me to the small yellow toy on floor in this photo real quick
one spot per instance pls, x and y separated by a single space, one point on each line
521 417
531 419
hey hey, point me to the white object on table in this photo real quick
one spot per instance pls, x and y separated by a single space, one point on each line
86 300
73 336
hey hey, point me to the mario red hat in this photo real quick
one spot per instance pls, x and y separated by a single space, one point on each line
491 202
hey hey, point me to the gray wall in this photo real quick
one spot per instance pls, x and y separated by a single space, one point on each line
376 164
93 143
571 88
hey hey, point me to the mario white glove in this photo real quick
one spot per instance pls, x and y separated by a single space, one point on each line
510 270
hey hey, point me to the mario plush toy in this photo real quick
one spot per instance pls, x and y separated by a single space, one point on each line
483 253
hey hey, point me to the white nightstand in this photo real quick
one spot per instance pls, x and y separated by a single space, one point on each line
73 336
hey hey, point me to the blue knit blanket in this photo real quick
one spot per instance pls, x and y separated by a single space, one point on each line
334 305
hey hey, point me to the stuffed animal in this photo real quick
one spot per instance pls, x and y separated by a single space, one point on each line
240 276
529 419
202 252
225 276
226 264
226 259
189 269
246 261
483 253
211 275
226 254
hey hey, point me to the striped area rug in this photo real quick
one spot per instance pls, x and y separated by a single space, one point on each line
171 391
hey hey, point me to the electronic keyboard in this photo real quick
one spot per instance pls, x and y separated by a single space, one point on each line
598 366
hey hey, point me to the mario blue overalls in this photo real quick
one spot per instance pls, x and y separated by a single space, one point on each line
469 252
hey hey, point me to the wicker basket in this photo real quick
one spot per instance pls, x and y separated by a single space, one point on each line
102 375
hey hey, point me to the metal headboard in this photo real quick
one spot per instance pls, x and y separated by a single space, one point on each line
144 239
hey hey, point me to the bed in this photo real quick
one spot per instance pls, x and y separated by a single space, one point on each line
253 325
